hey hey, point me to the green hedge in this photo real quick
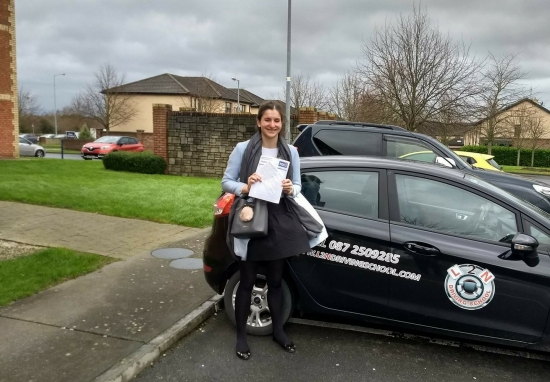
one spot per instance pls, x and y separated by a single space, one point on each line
145 162
507 156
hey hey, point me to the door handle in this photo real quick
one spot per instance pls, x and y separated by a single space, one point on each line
421 248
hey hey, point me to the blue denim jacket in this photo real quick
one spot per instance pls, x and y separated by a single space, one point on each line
231 182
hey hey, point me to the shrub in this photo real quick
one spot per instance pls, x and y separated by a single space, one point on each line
145 162
84 133
507 156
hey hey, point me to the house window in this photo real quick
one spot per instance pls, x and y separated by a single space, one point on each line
228 107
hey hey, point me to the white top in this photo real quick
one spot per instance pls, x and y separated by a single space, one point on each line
270 152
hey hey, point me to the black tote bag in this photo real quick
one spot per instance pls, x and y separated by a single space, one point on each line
257 227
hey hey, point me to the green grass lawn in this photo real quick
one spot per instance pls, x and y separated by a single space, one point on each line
87 186
27 275
526 170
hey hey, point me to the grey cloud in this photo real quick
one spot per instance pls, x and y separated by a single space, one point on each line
247 39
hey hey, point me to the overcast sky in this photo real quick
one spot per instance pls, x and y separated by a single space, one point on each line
247 39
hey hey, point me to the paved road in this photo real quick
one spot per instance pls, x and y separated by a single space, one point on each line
327 354
65 156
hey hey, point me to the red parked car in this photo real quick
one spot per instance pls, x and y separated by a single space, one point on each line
108 144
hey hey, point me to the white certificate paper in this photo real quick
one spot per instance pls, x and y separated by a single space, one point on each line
273 171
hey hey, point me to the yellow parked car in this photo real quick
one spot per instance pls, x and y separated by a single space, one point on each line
483 161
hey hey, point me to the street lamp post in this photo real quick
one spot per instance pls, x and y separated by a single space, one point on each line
287 111
238 95
54 102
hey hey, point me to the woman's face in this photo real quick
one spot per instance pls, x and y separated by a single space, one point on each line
270 123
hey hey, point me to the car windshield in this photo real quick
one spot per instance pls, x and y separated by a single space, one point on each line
107 139
506 195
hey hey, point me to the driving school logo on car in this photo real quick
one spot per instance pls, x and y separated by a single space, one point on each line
469 286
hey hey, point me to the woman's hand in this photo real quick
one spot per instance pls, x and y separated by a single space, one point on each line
251 180
288 186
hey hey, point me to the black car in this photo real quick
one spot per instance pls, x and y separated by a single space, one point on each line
410 245
357 138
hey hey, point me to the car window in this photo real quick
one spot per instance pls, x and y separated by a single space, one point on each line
23 140
542 237
469 160
347 142
124 141
441 207
134 141
350 192
408 149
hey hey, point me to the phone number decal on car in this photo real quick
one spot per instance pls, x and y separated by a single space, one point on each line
362 251
364 264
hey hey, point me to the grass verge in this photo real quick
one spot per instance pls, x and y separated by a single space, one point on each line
526 170
87 186
27 275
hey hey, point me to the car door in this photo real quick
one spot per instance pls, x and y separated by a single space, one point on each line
348 271
25 147
457 241
124 144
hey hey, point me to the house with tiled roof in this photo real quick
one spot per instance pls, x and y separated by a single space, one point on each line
199 94
521 120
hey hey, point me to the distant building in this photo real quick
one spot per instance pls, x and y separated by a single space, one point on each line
199 94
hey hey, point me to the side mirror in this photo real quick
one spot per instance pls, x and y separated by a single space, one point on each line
526 246
470 160
447 162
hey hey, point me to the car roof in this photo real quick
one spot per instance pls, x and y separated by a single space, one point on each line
358 125
377 162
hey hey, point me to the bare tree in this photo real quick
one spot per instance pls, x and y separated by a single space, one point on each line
103 101
346 96
501 88
417 71
534 131
305 92
27 107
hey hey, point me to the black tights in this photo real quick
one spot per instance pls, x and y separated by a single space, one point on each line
249 269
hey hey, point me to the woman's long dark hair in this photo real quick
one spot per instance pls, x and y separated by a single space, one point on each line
271 105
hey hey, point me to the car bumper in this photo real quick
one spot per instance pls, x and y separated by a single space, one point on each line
216 256
96 154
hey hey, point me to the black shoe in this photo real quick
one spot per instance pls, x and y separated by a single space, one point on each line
289 347
245 356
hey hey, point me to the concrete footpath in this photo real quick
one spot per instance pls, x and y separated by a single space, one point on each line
110 324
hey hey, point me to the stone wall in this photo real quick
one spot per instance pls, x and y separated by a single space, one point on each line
199 144
9 118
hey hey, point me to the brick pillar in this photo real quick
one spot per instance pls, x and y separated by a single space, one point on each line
9 116
322 116
161 113
307 115
331 116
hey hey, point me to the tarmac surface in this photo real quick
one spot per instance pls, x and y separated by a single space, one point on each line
79 330
329 354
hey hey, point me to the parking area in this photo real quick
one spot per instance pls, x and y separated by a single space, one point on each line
334 354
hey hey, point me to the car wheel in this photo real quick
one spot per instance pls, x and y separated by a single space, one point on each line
259 320
87 158
39 153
